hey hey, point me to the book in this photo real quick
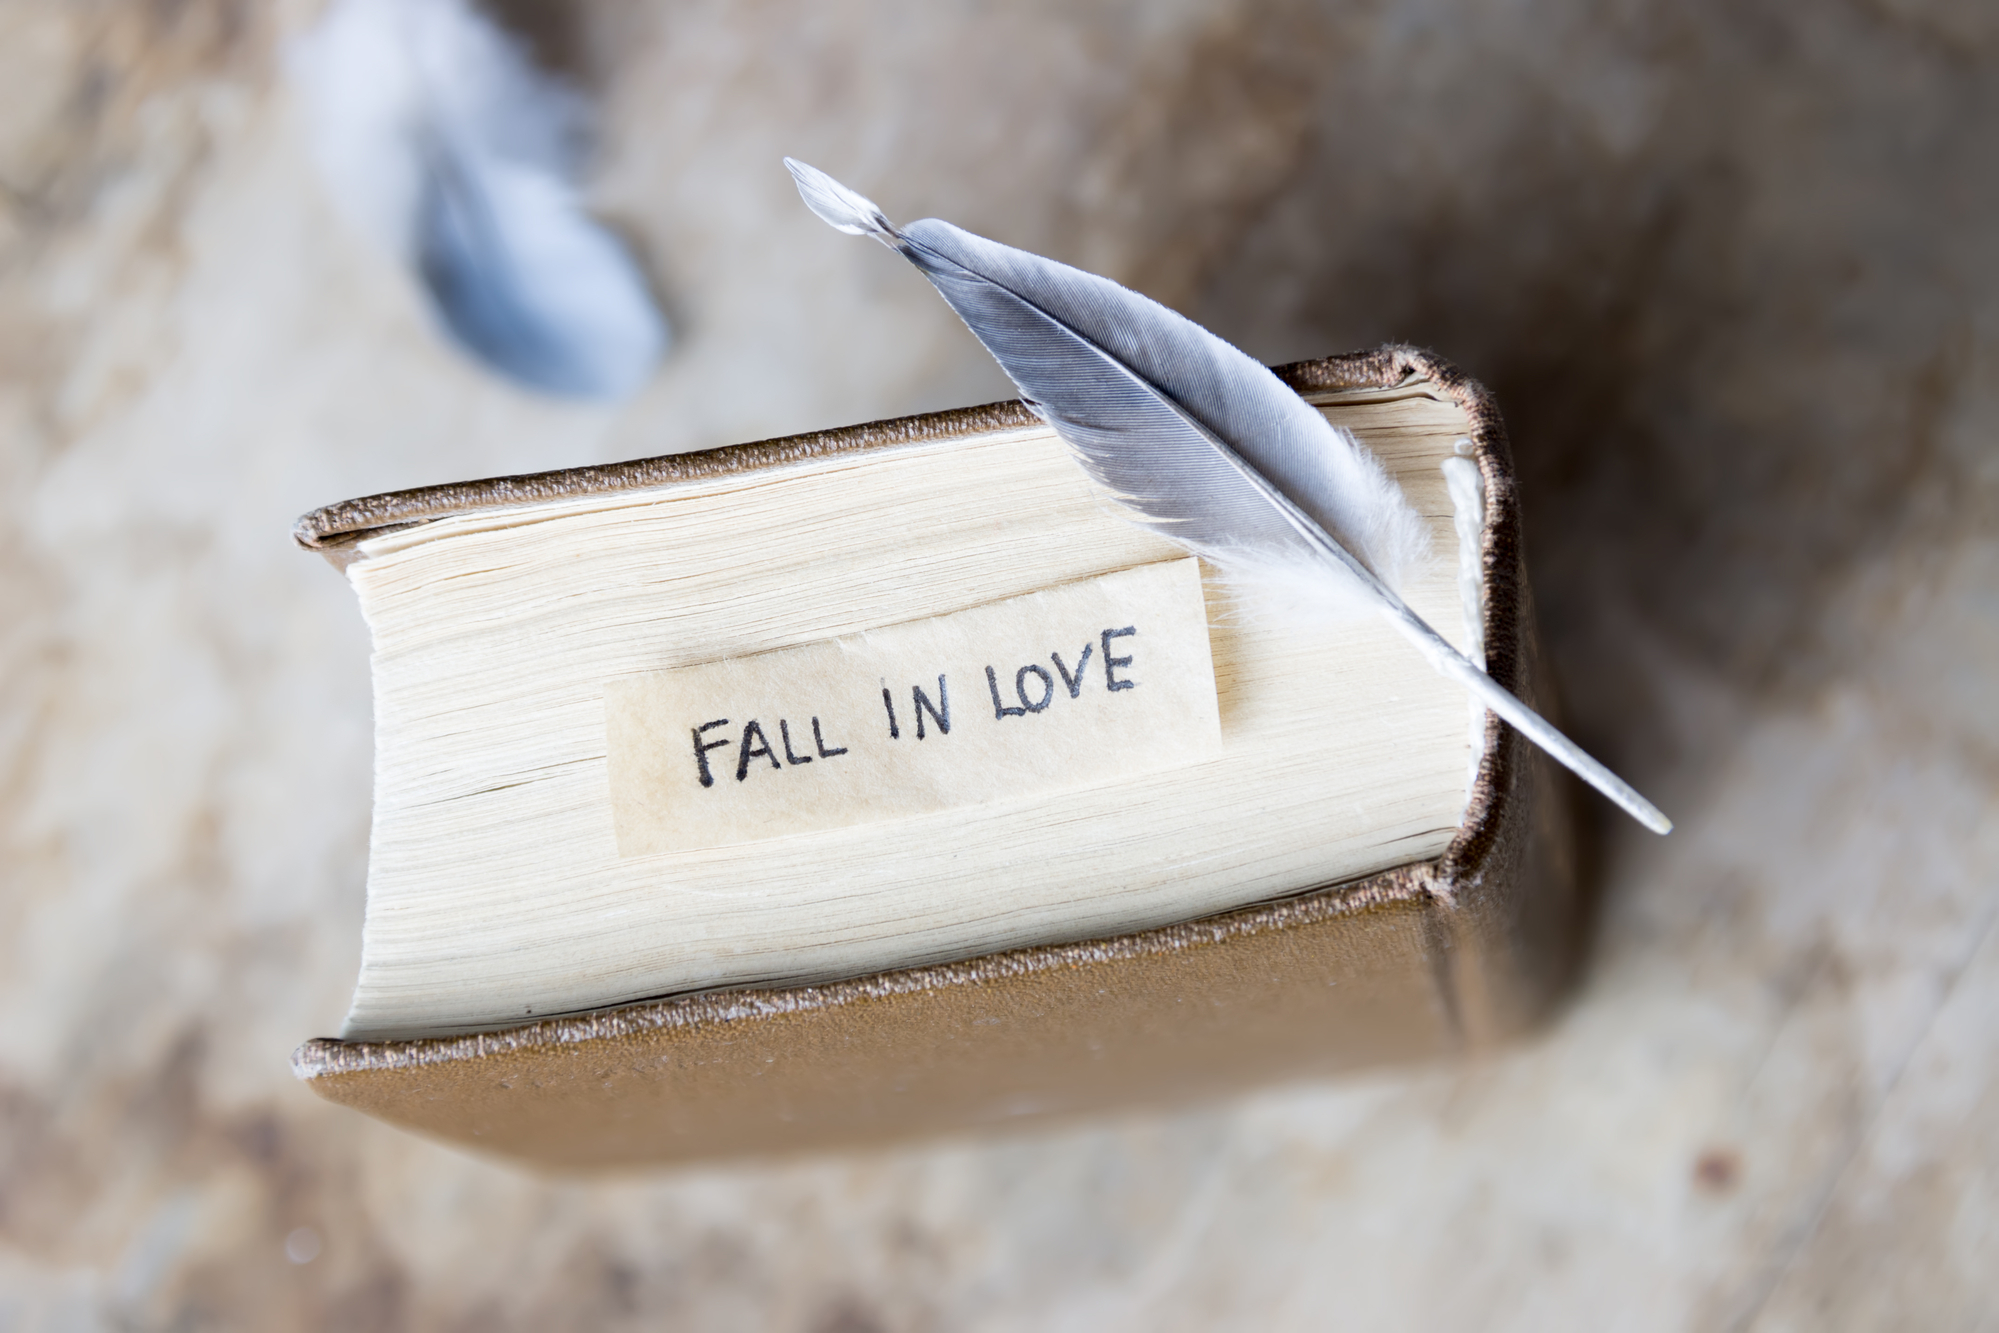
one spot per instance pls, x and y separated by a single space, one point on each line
884 780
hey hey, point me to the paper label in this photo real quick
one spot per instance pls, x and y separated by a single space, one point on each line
1078 685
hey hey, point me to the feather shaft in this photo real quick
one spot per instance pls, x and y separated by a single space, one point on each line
1446 660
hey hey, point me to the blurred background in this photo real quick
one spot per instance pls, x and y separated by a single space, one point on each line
1732 269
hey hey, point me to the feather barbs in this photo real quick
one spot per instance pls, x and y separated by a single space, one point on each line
1090 356
837 206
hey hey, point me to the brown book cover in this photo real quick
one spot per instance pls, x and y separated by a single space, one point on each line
1431 958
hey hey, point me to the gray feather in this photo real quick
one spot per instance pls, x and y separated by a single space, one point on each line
1199 441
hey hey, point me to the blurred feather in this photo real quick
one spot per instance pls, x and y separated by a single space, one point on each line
1200 442
440 139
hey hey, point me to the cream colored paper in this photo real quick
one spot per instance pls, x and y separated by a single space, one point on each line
1073 686
495 888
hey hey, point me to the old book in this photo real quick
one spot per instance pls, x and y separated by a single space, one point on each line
926 789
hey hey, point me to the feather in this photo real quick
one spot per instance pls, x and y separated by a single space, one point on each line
1197 440
439 138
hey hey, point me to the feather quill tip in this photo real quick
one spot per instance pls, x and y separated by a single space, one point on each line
837 206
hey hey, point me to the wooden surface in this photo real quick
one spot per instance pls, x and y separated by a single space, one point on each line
1731 269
